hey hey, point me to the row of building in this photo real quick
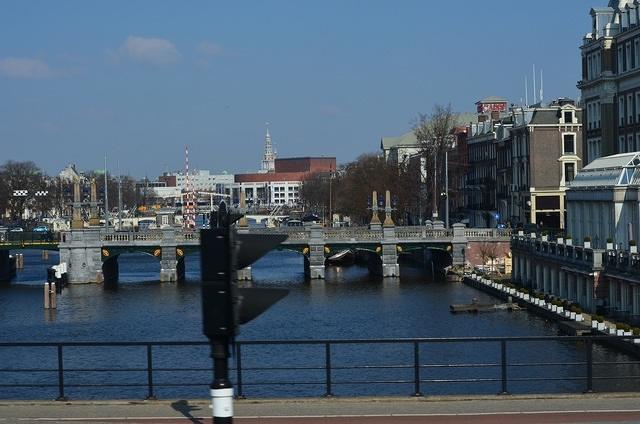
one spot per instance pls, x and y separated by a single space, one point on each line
277 183
517 161
512 163
600 269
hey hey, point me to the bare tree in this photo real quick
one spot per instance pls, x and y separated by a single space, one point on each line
435 134
487 251
20 176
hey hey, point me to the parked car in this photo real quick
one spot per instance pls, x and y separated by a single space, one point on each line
16 229
40 229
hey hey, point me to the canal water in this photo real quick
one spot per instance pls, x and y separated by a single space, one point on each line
349 304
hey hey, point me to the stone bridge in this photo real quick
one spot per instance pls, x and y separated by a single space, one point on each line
92 254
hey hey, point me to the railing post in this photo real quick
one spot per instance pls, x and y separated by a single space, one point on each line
150 394
589 388
327 360
61 396
240 395
416 369
503 361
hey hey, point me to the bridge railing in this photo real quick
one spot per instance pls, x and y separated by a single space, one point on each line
303 234
131 236
471 365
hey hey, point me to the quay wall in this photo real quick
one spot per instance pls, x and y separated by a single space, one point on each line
567 326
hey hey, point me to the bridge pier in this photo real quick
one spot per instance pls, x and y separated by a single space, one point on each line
389 254
80 249
168 257
168 265
314 263
389 257
458 244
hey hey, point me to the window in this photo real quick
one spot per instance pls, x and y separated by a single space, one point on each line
621 144
569 143
569 172
568 117
630 143
620 59
621 110
629 109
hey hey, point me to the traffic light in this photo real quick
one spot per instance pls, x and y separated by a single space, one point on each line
225 306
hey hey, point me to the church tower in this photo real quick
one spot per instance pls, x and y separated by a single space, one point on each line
268 160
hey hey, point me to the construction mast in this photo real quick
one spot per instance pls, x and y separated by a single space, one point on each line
188 196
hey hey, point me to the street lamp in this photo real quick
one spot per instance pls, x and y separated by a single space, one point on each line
330 198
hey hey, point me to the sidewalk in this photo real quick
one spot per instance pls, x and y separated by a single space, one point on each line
614 408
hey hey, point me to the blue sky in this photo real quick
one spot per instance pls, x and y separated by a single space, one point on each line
142 79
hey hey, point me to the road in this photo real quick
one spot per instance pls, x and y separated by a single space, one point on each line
619 408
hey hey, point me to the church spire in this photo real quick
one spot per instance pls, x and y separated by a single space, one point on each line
268 159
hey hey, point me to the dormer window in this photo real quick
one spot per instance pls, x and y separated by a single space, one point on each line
567 117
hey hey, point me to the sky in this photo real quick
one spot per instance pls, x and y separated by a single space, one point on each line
138 80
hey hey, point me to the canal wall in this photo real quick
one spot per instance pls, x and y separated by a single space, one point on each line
7 266
569 322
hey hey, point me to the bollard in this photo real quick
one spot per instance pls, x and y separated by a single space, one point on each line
19 261
47 303
53 296
45 255
50 296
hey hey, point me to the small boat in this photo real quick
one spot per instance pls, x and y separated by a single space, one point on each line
343 257
474 306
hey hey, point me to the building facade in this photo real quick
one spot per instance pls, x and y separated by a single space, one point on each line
610 84
546 155
604 203
282 185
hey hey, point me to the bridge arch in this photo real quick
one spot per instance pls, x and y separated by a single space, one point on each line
111 266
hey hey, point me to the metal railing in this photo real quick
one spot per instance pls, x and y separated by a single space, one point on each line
319 364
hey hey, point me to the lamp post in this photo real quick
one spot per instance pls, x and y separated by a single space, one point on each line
446 188
106 196
330 198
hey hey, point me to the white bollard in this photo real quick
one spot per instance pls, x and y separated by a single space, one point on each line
222 403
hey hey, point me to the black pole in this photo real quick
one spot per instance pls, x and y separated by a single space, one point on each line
150 395
61 396
416 368
327 366
239 371
589 388
503 363
221 387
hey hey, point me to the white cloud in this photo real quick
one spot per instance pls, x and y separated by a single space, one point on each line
156 51
209 49
24 67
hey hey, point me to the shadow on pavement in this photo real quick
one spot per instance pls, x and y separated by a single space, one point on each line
185 409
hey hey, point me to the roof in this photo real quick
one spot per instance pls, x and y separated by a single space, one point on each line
618 170
545 116
615 161
409 139
492 99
